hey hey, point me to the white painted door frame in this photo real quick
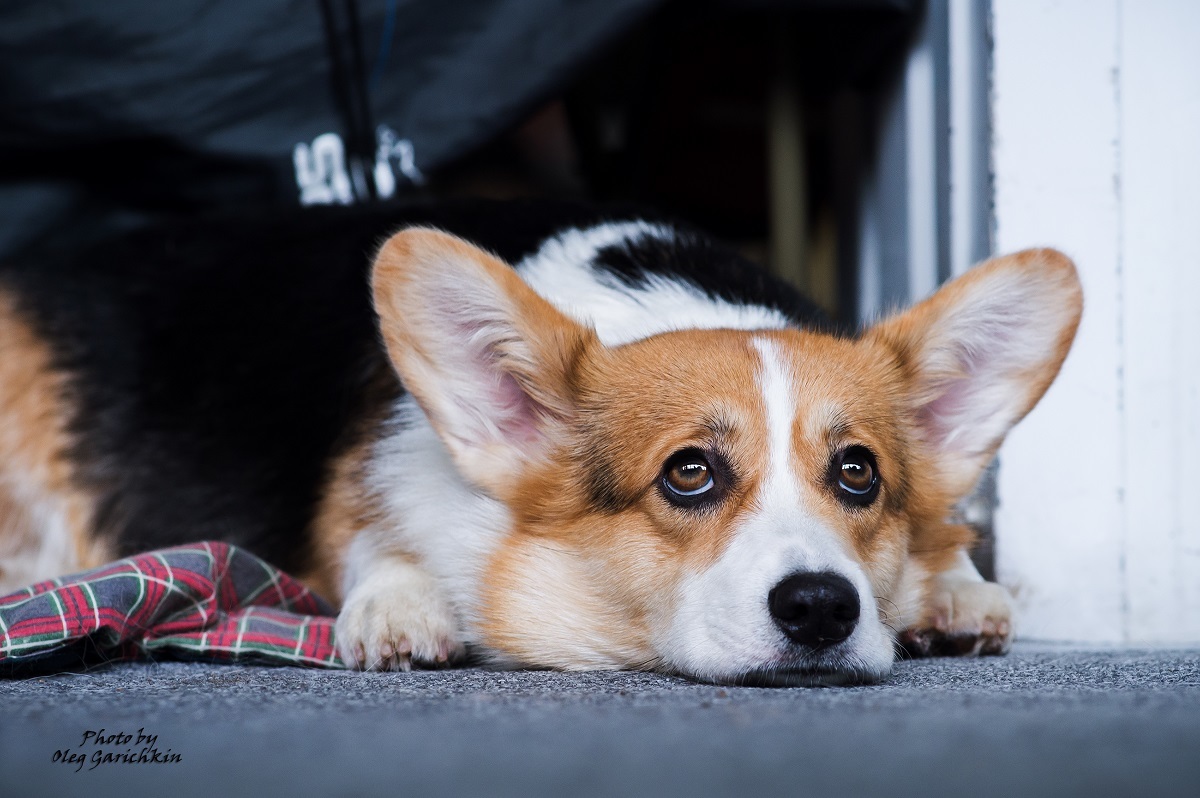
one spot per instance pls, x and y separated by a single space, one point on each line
1096 119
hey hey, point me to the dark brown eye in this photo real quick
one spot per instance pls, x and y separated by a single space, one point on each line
687 477
857 476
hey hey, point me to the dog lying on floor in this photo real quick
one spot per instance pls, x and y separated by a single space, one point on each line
561 438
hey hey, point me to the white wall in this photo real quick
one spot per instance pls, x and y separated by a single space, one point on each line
1096 150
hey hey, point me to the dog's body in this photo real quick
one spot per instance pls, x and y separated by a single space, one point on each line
641 452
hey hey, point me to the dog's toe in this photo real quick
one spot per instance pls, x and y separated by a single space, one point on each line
394 622
963 618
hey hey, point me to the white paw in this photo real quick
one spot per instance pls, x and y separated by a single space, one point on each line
394 619
963 617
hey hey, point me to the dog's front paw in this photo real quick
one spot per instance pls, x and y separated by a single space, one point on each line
963 618
394 619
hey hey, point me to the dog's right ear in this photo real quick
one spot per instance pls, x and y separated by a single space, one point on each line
487 359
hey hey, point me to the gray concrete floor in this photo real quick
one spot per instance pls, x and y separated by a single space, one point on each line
1041 721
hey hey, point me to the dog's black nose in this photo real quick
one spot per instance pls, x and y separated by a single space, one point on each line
814 609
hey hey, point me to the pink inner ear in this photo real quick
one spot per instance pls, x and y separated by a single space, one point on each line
518 416
944 415
983 353
962 398
501 404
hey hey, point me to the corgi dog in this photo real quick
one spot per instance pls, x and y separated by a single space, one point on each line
548 436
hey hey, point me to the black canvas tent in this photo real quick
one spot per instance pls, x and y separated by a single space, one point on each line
120 112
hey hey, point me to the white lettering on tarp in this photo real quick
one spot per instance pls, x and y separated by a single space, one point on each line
393 148
323 176
321 171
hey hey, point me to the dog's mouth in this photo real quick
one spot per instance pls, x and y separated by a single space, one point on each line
830 674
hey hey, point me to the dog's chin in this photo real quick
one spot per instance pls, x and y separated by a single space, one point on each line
828 674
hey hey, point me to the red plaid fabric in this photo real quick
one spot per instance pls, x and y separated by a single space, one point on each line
205 601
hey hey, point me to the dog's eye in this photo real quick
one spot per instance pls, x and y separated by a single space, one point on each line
687 476
857 476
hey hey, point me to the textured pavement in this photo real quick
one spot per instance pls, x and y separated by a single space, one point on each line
1041 721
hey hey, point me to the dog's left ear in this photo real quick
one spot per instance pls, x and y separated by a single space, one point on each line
981 352
488 359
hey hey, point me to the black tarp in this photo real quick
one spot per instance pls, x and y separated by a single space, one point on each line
118 112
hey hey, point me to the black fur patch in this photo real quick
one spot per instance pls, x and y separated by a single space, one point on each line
603 490
717 271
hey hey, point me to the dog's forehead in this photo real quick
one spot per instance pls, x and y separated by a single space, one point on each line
707 372
686 366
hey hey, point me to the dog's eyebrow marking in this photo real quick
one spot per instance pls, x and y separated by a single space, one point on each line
603 488
838 426
779 398
719 428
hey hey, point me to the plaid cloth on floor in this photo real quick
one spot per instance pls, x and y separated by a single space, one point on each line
206 601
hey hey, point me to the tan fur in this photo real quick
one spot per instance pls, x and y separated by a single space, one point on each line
641 403
346 508
36 486
611 572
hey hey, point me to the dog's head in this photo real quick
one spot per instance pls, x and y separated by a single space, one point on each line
730 505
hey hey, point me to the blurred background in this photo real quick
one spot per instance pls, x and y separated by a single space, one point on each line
866 150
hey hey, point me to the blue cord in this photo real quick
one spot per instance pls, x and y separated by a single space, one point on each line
385 45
